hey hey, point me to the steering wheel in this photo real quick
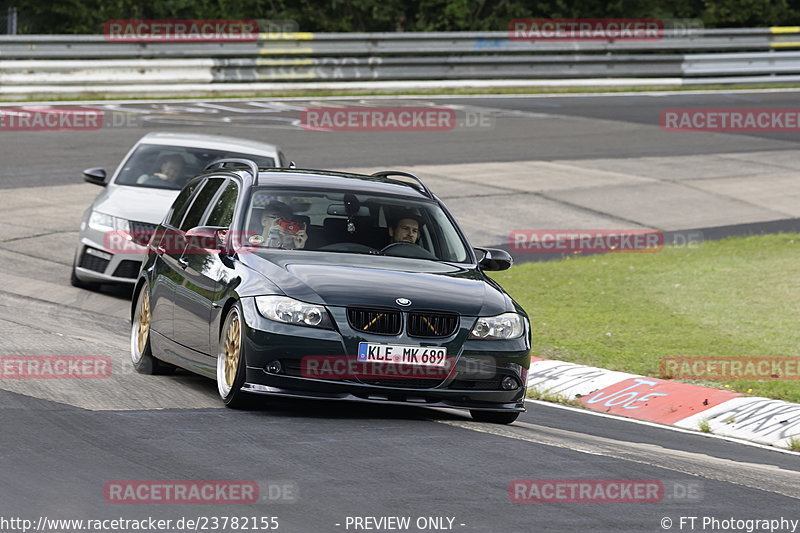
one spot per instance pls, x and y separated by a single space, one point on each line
407 249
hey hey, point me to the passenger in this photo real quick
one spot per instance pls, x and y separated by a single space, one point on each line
280 230
406 227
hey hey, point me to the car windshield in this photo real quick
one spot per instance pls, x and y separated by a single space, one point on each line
171 167
351 223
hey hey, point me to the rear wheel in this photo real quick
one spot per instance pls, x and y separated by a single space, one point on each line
231 361
141 354
494 417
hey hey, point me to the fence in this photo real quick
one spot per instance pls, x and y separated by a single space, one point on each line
90 62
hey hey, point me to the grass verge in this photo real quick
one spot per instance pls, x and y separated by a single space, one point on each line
735 297
554 397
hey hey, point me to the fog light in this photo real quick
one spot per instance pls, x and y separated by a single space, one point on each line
508 383
274 367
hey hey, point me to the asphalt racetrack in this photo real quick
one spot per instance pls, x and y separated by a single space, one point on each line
512 163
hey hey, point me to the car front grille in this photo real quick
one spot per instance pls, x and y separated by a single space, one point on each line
378 321
141 232
389 322
92 262
128 269
431 325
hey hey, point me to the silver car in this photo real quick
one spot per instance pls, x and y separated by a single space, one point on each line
117 226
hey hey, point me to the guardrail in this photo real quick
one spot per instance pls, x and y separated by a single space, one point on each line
703 56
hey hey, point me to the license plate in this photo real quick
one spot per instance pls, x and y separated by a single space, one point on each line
398 354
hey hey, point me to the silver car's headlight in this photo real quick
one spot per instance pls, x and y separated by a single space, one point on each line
291 311
500 327
102 222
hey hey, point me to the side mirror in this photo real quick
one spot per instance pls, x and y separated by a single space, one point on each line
493 259
95 176
206 239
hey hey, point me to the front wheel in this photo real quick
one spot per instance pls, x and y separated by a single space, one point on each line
231 361
494 417
141 353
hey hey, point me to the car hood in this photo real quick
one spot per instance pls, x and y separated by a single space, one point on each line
143 204
372 281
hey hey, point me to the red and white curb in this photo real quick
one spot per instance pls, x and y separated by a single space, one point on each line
761 420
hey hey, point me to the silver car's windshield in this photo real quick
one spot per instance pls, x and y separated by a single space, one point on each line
171 167
351 223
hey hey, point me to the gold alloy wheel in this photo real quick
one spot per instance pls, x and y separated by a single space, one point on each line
144 322
232 349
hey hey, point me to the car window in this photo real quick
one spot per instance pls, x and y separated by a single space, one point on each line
222 212
334 221
181 204
171 167
200 204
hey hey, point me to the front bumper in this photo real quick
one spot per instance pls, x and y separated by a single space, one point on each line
473 383
94 263
453 399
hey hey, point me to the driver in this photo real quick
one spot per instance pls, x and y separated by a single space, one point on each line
169 172
406 227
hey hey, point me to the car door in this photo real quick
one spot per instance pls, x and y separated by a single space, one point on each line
194 294
164 276
216 269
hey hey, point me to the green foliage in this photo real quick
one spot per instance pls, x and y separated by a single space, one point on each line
87 16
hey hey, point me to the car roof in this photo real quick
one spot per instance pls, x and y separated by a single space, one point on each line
344 181
218 142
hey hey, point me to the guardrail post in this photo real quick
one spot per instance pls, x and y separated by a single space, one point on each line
11 21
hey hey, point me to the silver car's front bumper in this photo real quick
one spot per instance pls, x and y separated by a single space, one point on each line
96 262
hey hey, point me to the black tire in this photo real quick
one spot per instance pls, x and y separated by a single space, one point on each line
141 353
229 353
494 417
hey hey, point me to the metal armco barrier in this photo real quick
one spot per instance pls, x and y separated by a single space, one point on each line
756 55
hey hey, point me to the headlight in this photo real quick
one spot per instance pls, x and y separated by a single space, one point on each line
102 222
291 311
505 326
